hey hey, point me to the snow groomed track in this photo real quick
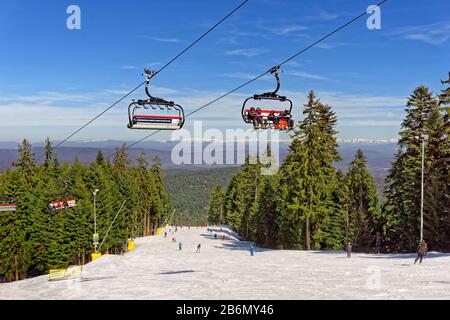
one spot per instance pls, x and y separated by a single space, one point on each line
156 269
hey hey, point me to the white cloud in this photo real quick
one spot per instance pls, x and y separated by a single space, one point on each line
352 109
239 75
45 98
435 33
246 52
337 99
329 45
306 75
160 39
370 123
153 64
293 63
128 67
323 15
244 76
227 40
288 30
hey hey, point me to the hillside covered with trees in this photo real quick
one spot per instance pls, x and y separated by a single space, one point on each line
309 204
35 238
190 191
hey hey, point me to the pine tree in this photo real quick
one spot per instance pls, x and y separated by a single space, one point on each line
444 97
266 217
235 202
364 210
50 159
216 207
15 251
308 174
444 165
100 158
403 184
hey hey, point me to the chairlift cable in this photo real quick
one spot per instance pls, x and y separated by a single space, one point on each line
109 229
158 71
268 71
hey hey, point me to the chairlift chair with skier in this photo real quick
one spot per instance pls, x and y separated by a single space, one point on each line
63 204
277 118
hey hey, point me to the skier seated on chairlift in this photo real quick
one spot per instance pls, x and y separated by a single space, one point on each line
285 120
255 116
273 118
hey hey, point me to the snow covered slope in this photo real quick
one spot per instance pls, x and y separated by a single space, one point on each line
225 270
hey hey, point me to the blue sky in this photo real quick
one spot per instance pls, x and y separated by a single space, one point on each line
53 79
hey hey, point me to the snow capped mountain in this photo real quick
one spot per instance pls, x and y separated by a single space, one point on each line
367 141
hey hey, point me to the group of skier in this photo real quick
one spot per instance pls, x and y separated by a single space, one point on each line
281 120
422 249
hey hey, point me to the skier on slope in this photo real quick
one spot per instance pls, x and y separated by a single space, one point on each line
378 243
180 246
215 235
421 251
348 248
251 249
198 248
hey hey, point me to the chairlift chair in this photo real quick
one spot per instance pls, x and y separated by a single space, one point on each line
276 118
144 114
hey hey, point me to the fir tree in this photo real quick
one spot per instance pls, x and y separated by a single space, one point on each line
216 207
403 184
308 174
363 207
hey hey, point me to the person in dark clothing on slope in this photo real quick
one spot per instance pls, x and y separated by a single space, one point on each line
251 249
198 248
421 251
348 248
378 243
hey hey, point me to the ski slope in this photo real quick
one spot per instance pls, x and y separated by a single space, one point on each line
225 270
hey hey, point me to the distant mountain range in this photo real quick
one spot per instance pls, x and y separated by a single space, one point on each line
379 154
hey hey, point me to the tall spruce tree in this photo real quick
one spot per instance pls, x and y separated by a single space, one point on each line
308 175
266 217
403 184
216 206
363 207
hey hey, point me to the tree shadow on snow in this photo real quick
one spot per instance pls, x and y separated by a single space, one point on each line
407 256
240 246
338 252
219 237
177 272
226 231
94 278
